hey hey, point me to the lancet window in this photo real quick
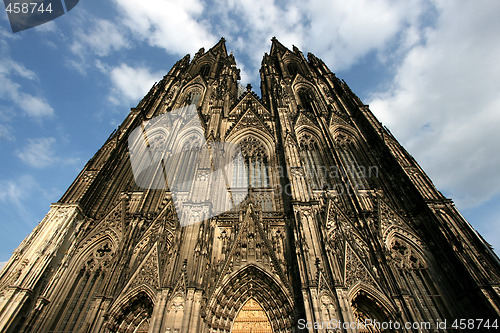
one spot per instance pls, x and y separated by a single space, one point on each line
76 303
205 70
193 97
414 276
315 167
253 168
360 175
188 162
306 99
293 69
366 310
133 317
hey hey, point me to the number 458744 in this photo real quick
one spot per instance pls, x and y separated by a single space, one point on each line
25 7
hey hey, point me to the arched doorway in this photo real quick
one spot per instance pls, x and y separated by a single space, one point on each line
134 317
366 309
251 319
250 283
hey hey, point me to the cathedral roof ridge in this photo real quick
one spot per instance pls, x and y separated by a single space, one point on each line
220 46
276 46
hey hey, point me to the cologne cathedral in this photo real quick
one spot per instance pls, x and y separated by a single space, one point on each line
322 223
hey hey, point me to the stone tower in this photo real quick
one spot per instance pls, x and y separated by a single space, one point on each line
320 216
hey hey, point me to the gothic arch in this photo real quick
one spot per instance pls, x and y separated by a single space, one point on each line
127 297
311 130
396 232
338 130
293 65
327 305
289 57
204 69
249 136
129 312
97 237
84 277
268 145
252 167
174 314
188 136
414 273
369 303
292 68
353 157
315 158
250 282
300 85
157 138
188 139
103 240
264 137
192 88
156 133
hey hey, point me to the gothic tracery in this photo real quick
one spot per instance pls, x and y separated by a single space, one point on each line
314 235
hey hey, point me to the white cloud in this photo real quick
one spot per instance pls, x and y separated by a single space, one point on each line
175 25
444 102
130 84
48 27
6 133
16 191
13 75
340 32
2 264
35 107
38 153
100 37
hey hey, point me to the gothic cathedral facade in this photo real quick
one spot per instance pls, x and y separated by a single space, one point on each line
335 222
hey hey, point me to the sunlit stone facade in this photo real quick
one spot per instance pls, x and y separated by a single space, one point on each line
337 222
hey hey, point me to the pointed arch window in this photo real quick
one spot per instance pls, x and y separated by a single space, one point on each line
251 319
351 158
315 167
134 317
73 308
253 168
414 276
205 70
366 309
193 97
293 69
306 99
188 162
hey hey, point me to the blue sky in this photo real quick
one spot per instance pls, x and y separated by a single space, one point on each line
430 71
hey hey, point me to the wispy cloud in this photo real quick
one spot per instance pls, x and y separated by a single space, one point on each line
131 83
41 153
99 37
16 191
177 25
33 106
444 102
12 75
6 132
38 153
340 32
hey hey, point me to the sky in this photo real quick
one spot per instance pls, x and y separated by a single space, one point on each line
429 69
